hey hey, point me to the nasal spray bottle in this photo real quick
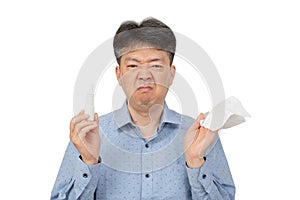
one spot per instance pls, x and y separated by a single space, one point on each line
89 103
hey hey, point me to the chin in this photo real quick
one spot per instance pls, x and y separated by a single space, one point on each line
143 101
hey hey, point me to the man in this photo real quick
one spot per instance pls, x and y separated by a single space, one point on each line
144 150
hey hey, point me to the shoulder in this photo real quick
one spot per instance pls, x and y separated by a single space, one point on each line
185 121
107 121
106 117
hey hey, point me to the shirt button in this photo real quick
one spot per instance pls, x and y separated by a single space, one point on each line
147 175
204 176
147 145
84 175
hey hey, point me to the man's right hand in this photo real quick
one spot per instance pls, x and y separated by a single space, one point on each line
84 134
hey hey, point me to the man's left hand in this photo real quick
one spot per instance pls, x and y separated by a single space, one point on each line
196 141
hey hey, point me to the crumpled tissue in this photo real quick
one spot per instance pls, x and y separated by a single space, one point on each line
226 114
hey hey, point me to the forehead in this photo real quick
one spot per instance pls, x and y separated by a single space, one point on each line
145 55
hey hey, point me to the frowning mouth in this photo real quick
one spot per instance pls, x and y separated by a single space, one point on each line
145 88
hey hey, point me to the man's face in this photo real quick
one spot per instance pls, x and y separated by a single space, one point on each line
145 76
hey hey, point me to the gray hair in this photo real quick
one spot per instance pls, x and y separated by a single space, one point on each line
150 33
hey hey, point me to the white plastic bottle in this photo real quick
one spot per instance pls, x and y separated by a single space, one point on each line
89 103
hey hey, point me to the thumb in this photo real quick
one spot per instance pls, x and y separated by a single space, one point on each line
96 117
196 124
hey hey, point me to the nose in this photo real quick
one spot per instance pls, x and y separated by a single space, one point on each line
144 74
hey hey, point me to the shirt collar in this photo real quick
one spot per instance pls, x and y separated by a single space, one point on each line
122 116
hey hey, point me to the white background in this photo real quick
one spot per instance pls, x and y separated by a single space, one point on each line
255 46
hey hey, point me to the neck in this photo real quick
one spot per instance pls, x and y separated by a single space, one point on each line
147 119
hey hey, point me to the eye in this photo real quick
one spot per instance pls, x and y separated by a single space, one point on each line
132 66
157 66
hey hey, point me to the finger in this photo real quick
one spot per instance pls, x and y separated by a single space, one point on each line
79 114
203 130
191 137
84 124
206 134
196 123
86 129
72 125
78 128
196 136
76 116
202 117
96 118
73 121
80 118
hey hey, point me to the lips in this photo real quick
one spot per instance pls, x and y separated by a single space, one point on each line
145 88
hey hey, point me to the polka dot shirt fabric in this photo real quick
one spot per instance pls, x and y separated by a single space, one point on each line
133 168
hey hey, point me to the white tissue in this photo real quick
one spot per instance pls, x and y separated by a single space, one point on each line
226 114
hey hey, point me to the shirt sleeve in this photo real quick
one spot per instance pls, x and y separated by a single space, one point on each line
213 180
75 179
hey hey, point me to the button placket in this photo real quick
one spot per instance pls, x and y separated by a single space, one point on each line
147 186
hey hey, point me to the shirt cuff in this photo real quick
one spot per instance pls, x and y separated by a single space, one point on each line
200 178
86 175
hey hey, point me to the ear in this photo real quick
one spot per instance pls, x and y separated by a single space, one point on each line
118 74
172 74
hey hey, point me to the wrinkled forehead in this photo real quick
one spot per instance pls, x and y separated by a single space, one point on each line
145 54
139 47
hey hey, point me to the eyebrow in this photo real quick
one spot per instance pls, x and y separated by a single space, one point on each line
136 60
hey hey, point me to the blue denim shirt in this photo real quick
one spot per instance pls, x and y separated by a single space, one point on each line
133 168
